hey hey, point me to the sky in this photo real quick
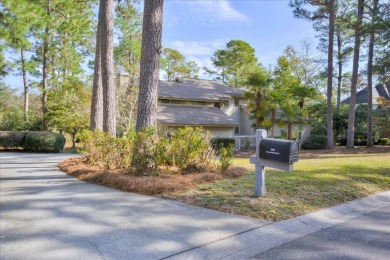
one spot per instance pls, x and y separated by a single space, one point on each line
197 28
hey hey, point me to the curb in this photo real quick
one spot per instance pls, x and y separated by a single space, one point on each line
259 240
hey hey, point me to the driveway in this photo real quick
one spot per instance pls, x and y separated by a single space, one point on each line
46 214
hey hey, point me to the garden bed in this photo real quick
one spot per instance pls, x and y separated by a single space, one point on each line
320 179
169 180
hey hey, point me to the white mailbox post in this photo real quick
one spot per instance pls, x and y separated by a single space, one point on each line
273 154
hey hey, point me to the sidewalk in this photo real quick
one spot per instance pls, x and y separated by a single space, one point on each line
45 214
253 243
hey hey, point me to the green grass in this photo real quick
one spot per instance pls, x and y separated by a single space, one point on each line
317 183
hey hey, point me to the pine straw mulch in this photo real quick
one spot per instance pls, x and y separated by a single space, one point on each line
166 182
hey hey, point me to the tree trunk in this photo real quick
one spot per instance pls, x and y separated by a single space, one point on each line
329 94
369 77
44 71
107 63
340 76
273 121
25 83
73 140
289 130
150 63
96 119
355 70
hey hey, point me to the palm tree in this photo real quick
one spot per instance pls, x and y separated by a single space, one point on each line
259 94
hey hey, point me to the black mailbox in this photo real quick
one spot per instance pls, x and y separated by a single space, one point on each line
279 150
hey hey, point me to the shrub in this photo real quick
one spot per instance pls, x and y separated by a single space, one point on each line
315 142
44 142
103 150
384 141
12 139
191 148
187 148
145 158
225 157
218 143
318 129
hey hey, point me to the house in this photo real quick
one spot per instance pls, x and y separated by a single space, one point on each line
380 90
204 103
211 105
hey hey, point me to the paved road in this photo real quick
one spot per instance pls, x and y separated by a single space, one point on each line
365 237
45 214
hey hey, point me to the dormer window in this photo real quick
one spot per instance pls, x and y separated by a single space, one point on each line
225 103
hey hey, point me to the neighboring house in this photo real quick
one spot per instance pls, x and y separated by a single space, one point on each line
380 90
211 105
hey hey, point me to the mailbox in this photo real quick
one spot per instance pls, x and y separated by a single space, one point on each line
278 150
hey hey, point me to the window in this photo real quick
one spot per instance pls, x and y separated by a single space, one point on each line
236 130
236 102
225 103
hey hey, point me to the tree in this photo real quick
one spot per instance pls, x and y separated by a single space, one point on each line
96 118
107 66
355 70
374 18
234 62
293 78
343 39
66 109
175 65
150 63
324 9
127 54
377 27
259 95
15 25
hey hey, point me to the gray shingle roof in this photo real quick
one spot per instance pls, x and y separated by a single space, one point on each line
193 115
197 89
362 95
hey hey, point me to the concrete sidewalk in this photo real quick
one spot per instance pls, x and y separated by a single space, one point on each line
46 214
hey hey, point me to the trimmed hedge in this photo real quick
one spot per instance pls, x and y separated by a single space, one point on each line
32 141
12 139
315 142
219 143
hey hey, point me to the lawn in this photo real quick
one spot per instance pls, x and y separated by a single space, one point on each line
327 180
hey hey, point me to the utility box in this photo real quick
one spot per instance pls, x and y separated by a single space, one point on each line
283 151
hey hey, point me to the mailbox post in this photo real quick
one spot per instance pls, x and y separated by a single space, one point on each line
274 153
260 189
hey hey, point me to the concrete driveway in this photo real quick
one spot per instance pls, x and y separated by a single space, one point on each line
46 214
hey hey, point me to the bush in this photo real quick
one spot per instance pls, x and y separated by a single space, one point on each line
44 142
315 142
225 158
218 143
384 141
318 129
187 148
191 148
12 139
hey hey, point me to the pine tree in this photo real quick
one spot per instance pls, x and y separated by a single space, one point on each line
150 63
323 9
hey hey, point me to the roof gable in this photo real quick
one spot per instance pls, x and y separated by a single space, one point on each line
379 90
